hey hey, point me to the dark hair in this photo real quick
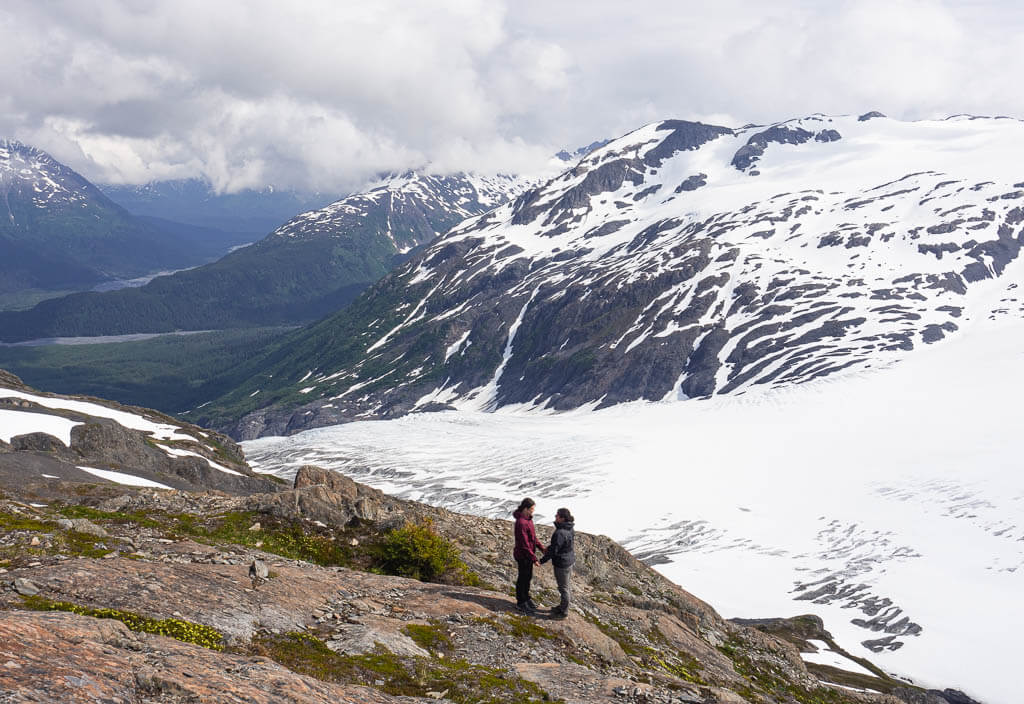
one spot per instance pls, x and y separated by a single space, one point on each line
564 514
525 503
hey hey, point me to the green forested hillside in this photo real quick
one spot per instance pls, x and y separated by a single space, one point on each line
172 373
242 290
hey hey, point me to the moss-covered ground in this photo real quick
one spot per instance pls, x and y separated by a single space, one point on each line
186 631
414 551
460 681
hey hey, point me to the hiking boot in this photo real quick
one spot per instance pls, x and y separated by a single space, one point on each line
525 608
532 604
559 614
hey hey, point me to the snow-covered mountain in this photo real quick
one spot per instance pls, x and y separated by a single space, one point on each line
58 231
309 267
682 260
407 209
52 183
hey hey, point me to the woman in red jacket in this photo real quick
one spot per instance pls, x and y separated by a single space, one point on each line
524 553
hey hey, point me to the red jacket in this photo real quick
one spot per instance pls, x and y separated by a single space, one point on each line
526 538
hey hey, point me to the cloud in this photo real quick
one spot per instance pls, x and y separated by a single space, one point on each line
322 94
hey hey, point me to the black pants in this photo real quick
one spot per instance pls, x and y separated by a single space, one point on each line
523 580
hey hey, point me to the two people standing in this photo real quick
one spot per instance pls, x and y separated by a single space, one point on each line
560 552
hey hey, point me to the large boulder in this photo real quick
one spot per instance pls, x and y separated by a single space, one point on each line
108 444
336 484
37 442
331 498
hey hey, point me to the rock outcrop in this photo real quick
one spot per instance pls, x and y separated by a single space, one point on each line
192 459
99 660
325 621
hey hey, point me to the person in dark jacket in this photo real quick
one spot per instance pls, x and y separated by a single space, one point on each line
525 554
562 554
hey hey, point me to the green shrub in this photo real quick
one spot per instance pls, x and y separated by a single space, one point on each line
416 550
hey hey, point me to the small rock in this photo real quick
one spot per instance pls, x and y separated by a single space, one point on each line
35 541
353 542
65 523
258 573
255 526
84 525
25 587
110 556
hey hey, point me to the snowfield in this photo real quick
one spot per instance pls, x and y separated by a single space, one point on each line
122 478
160 431
890 502
14 423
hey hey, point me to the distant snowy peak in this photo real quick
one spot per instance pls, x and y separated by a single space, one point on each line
59 232
409 208
197 202
566 156
40 180
689 260
465 192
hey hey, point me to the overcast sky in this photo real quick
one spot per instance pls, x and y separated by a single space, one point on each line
322 94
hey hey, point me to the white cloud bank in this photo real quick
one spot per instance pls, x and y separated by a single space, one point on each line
322 94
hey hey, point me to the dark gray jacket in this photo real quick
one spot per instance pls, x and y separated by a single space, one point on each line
562 551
